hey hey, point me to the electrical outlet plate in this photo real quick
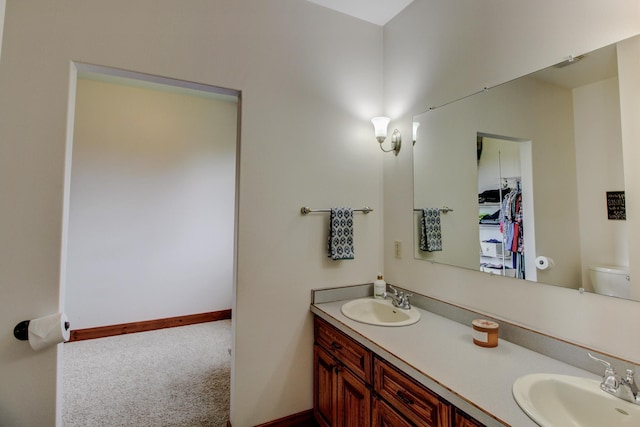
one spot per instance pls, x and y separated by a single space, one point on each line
397 248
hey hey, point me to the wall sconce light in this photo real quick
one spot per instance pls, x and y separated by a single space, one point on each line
380 125
415 131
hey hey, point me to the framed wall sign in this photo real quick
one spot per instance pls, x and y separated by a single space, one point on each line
615 205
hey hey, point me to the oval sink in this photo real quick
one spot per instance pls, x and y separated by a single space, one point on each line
561 400
379 312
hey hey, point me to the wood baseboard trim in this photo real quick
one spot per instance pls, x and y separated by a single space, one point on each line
147 325
301 419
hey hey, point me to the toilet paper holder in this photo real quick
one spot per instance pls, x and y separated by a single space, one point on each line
21 330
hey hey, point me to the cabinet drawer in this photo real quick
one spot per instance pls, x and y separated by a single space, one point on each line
411 399
384 415
351 354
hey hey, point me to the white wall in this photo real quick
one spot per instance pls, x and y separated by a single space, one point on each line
500 158
152 205
596 109
628 72
310 78
438 50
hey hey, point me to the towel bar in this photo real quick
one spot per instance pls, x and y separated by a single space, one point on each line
306 210
443 209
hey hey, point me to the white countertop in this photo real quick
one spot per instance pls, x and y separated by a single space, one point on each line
440 354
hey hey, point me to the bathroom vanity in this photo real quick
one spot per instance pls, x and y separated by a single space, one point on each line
429 373
355 387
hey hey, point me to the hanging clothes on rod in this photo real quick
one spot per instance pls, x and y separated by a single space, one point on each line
511 225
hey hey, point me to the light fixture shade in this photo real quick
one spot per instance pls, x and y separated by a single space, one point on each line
415 130
380 127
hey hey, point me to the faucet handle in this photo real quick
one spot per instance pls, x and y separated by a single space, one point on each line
395 291
607 365
630 376
610 382
630 380
406 302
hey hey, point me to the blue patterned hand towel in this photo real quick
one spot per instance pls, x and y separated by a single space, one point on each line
341 234
431 236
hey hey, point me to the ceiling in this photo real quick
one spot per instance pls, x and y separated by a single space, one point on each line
376 11
598 65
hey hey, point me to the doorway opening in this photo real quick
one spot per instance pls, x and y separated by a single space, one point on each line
150 200
505 206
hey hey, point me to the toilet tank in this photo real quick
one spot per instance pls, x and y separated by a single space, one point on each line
610 280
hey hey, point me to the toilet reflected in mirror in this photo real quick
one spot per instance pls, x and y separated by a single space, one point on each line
610 280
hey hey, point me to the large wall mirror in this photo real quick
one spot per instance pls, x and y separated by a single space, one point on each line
526 179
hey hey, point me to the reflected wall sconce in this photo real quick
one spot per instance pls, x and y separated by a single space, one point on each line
415 131
380 125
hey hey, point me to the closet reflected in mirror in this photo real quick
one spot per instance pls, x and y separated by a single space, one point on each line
533 173
500 208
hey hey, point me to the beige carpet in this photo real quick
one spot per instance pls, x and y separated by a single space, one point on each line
176 377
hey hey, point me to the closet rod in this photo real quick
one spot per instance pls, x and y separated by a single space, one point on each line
306 210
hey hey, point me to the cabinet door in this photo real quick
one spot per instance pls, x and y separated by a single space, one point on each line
463 420
353 400
324 387
384 415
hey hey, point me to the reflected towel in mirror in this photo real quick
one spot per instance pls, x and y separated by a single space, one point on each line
431 234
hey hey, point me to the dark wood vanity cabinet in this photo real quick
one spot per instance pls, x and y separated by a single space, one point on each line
342 374
352 387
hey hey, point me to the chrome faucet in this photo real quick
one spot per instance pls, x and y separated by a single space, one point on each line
399 298
623 387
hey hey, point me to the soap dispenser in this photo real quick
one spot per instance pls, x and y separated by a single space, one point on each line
379 287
